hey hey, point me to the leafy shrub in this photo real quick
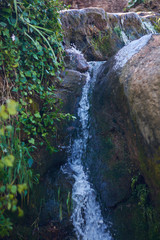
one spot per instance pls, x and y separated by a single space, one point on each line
31 58
15 172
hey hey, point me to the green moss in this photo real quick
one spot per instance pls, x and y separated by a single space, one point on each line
102 43
117 30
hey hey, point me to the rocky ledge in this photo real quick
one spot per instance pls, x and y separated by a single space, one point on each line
99 35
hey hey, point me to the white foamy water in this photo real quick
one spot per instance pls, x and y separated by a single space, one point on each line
73 49
86 217
147 25
131 49
125 38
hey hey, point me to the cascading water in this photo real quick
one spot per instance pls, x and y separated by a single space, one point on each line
86 217
147 25
142 22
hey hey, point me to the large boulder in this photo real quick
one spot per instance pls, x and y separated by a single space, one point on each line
99 35
127 103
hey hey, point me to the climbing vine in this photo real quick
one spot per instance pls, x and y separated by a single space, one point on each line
31 58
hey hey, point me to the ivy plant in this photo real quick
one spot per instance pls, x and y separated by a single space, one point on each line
31 59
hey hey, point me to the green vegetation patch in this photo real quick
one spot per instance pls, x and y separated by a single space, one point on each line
31 58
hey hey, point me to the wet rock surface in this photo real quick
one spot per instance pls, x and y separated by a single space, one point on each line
75 60
128 99
99 35
73 79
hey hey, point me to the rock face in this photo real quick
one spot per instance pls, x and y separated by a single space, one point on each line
73 79
99 35
127 94
107 5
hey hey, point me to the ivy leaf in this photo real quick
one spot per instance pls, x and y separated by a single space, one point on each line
14 208
15 65
9 128
32 141
1 164
22 187
14 189
2 189
12 107
28 74
3 113
37 115
9 205
6 33
35 56
14 90
8 160
3 24
2 132
20 212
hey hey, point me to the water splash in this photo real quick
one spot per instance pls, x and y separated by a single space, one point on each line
86 217
74 50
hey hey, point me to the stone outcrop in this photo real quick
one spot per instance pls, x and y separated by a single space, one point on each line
73 79
107 5
127 94
99 35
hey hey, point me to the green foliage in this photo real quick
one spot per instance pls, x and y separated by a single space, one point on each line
157 25
67 203
151 217
15 172
141 192
31 58
117 30
101 42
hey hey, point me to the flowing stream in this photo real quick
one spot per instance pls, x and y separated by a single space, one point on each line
86 217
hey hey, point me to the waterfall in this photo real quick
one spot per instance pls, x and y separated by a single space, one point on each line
125 38
147 25
144 23
86 217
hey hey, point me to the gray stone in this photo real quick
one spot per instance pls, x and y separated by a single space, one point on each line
75 60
